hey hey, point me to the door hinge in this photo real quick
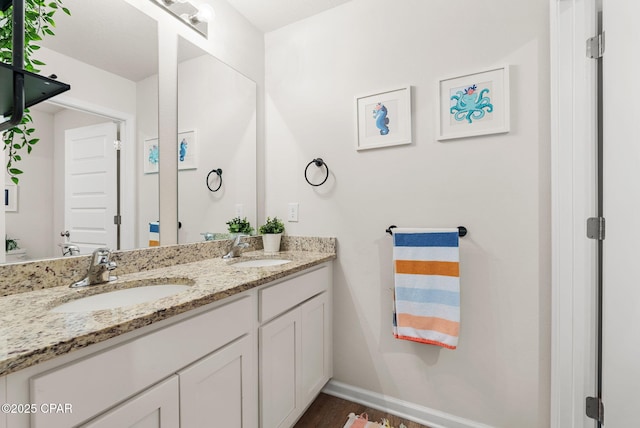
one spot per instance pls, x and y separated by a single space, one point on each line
595 409
117 144
595 46
117 219
596 228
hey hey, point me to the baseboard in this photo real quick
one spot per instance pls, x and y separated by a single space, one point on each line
404 409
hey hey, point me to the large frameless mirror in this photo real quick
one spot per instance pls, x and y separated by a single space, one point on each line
216 146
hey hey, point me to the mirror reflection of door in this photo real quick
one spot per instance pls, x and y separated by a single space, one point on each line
91 194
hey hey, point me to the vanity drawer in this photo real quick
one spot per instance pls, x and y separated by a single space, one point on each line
285 295
100 381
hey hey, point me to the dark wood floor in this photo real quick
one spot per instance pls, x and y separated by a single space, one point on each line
328 411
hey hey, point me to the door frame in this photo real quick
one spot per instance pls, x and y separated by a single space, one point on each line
128 231
573 187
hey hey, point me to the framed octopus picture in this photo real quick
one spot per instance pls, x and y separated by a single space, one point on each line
474 104
384 119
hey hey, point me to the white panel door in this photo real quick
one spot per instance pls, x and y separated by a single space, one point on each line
156 407
279 371
217 390
315 359
621 350
90 186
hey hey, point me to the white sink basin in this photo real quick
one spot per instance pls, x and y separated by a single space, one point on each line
261 263
120 298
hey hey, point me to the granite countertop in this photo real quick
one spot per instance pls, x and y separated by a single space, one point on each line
30 333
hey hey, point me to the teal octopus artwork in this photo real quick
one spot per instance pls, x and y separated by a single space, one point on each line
154 154
471 104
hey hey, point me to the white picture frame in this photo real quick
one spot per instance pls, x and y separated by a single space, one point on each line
151 156
187 150
10 197
383 119
187 153
474 104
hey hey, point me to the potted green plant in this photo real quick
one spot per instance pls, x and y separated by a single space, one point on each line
271 233
239 226
10 244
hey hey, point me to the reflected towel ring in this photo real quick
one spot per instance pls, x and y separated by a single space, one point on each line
219 173
319 162
462 231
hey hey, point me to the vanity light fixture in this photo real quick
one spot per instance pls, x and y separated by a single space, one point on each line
197 17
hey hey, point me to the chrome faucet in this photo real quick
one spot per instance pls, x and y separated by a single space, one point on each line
236 247
99 269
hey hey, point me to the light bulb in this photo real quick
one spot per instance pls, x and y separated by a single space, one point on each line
205 13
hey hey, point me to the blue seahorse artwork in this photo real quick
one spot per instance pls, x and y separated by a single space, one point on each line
154 154
183 149
471 104
382 121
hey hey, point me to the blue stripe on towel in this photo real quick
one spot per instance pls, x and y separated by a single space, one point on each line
439 239
428 295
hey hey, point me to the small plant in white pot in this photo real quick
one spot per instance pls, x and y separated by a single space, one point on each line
271 234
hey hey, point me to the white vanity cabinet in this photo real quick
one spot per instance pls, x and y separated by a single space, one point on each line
295 346
3 400
257 359
200 354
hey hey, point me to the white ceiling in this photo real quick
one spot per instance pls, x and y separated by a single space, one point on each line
268 15
116 37
111 35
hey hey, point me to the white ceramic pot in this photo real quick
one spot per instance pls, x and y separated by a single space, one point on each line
271 242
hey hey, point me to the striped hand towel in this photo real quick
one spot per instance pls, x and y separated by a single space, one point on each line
427 286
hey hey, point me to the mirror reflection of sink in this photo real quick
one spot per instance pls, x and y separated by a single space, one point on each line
120 298
261 263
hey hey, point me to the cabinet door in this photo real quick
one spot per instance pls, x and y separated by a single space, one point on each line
156 407
219 390
279 358
316 351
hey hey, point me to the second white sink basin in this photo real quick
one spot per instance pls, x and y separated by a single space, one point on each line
120 298
261 263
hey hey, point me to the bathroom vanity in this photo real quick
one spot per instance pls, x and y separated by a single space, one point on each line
243 347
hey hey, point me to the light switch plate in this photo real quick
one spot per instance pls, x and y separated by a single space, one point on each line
292 212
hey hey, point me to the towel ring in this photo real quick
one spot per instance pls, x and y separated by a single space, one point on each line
462 231
219 174
319 162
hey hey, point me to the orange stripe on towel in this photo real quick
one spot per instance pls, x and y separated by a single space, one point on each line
418 267
441 325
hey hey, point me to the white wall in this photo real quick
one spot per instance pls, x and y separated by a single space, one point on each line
35 193
497 186
2 213
147 202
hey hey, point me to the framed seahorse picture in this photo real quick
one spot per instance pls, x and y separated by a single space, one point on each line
383 119
187 153
474 104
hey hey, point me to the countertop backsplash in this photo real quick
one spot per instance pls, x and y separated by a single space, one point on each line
37 275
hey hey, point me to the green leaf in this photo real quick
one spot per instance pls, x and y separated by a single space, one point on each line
34 141
15 171
15 180
17 157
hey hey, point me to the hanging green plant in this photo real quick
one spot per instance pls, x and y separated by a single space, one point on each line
39 23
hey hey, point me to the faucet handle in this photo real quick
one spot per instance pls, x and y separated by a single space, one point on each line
100 256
